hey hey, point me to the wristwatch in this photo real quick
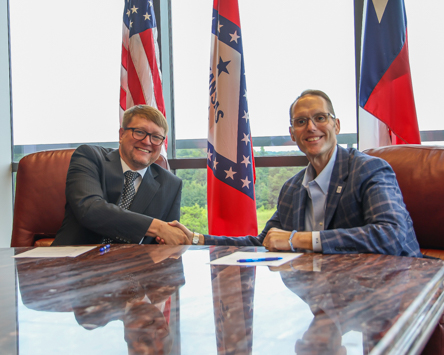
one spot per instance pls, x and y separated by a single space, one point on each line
195 238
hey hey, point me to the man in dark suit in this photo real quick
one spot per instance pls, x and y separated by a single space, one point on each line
96 212
343 202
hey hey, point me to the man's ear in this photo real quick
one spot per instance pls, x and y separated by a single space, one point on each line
337 126
121 132
291 130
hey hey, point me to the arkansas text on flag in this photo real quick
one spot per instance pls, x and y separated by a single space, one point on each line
230 165
386 85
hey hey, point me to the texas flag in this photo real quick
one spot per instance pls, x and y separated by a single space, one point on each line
230 164
386 90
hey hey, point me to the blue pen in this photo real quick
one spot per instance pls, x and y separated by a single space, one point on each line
258 259
105 247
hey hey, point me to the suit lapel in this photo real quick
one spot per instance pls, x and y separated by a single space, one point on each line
338 182
113 176
146 191
299 202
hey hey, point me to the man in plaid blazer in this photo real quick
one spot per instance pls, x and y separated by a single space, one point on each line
343 202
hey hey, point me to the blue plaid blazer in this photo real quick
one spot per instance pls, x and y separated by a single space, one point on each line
365 211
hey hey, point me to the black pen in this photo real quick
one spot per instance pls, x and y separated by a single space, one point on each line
258 259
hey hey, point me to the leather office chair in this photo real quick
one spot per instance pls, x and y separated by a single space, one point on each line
420 173
40 196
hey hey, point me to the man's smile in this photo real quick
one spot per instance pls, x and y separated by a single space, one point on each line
313 139
144 150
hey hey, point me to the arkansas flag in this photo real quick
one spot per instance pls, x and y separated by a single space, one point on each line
230 164
386 90
140 77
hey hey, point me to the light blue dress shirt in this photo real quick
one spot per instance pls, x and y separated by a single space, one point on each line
317 190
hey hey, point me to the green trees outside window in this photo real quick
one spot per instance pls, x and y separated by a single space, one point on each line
269 182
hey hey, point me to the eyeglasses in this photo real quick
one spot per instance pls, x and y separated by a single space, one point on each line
140 135
320 119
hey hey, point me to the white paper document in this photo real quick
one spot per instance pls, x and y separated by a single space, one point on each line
232 259
54 252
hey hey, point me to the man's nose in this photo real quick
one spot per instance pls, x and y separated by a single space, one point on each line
311 125
146 140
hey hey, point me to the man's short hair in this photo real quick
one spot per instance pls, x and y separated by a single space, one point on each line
315 93
148 112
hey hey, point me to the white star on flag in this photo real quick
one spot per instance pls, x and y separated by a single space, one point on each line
246 160
219 26
147 17
230 173
246 139
246 116
209 155
251 304
246 182
250 283
234 37
134 9
215 163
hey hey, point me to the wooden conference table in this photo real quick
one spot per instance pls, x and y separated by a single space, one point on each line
159 300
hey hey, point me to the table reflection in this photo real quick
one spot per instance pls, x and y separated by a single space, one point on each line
343 304
233 304
138 294
169 300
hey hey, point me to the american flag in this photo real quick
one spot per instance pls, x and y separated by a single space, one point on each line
140 78
230 164
386 90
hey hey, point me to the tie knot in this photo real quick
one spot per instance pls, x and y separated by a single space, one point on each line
130 176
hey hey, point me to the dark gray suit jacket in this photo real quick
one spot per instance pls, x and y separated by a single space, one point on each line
93 188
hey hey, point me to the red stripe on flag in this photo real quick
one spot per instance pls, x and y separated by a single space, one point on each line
124 57
228 9
122 99
167 310
134 86
148 45
230 212
392 100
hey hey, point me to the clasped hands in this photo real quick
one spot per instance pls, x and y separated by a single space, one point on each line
168 233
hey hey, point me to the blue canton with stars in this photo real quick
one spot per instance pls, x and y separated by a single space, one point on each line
238 175
139 16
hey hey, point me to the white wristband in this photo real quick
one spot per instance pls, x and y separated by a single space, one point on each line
289 240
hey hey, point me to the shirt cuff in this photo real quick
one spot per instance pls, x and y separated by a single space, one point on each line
316 241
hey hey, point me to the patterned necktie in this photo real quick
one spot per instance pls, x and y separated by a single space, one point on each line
128 189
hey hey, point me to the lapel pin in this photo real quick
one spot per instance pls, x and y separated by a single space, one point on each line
339 189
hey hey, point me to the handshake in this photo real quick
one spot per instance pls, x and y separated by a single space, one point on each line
171 233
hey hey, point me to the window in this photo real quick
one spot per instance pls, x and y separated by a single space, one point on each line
65 63
286 51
